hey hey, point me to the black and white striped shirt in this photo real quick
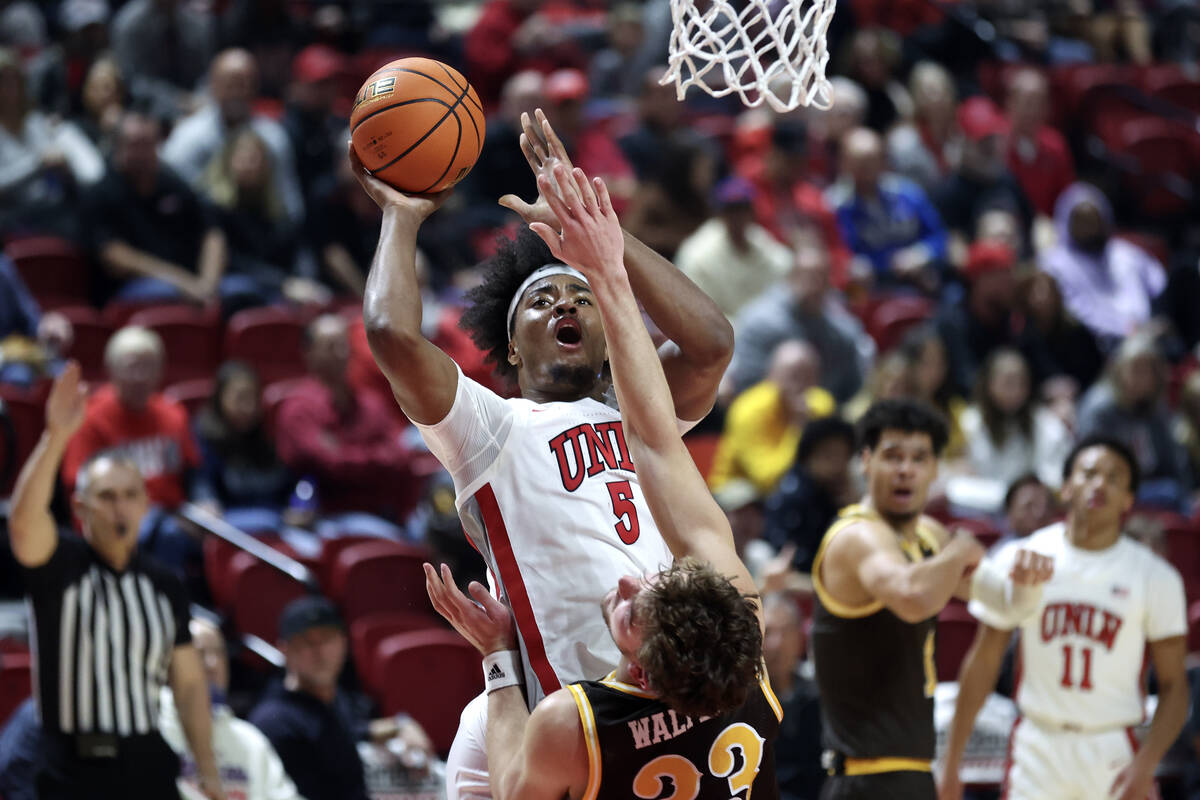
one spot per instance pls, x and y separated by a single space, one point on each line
103 640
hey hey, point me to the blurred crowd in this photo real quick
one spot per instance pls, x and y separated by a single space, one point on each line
966 225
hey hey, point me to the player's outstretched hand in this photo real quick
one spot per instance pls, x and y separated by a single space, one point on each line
484 622
67 402
543 151
419 206
1135 782
1031 569
591 238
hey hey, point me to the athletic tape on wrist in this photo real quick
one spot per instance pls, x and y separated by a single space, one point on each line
501 669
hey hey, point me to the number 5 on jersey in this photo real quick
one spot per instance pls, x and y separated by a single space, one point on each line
624 510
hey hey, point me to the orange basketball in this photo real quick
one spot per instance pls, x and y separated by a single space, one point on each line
417 125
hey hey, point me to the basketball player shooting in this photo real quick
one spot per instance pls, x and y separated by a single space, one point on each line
544 484
881 575
1082 649
687 692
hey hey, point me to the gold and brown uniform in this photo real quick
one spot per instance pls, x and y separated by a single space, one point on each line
638 747
877 678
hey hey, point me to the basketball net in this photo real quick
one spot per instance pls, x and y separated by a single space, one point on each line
770 51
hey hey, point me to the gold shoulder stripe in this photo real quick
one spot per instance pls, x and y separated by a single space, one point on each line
849 515
588 720
928 538
610 680
765 682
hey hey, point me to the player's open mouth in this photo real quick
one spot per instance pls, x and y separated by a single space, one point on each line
1096 500
902 494
567 332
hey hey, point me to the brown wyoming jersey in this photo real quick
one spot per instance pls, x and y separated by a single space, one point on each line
638 747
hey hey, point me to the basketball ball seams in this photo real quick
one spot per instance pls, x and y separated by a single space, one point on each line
428 133
471 96
378 111
453 156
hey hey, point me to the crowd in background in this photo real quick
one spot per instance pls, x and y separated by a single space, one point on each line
952 229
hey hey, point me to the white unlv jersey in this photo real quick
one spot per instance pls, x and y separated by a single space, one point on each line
548 495
1082 652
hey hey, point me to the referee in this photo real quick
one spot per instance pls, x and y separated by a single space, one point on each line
110 626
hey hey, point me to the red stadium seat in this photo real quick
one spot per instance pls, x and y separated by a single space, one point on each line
91 336
192 395
1163 150
15 683
331 549
218 555
703 448
1183 550
259 594
270 340
54 270
893 317
1075 85
26 409
431 675
192 338
368 631
380 576
955 633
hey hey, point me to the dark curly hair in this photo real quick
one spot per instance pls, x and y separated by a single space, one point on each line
901 414
486 316
688 610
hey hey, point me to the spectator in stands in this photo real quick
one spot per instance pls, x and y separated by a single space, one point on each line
830 127
152 234
103 103
510 36
1130 404
891 376
249 484
1120 28
926 149
730 257
1002 227
798 748
311 722
31 343
1007 431
928 358
249 765
165 44
787 203
43 162
886 220
129 417
261 240
314 130
763 426
1053 341
19 743
660 125
56 74
590 147
981 181
233 86
609 71
1107 283
874 57
672 201
1037 154
812 491
507 170
803 309
344 230
983 322
92 744
347 443
1029 505
1187 422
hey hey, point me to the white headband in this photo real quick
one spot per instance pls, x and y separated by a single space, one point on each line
536 275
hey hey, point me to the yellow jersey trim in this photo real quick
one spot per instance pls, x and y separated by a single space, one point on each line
610 680
847 516
588 718
765 682
876 766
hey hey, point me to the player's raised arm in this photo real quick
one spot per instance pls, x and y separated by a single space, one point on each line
689 519
423 378
700 337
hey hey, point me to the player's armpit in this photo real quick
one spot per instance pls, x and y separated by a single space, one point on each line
552 761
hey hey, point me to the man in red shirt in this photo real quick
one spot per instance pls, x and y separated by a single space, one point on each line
346 442
1037 154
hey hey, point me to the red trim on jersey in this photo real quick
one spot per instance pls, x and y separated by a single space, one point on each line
1008 760
514 587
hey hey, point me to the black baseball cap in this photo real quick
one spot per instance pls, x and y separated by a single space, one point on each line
305 613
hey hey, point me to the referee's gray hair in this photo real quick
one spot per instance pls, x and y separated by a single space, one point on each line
83 478
132 338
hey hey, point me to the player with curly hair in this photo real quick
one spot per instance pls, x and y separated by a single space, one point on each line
545 485
689 702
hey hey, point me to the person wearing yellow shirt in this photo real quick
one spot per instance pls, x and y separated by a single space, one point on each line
763 425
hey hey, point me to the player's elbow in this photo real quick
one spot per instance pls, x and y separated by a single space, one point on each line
391 339
913 605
